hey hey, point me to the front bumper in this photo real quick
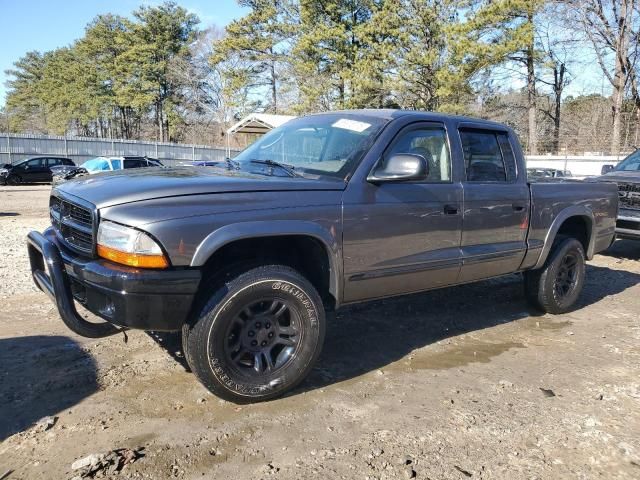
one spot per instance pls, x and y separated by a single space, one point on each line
124 296
628 224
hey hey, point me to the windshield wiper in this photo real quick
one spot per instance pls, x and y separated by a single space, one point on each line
273 163
232 164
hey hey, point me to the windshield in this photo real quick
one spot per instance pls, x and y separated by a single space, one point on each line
632 162
96 165
322 145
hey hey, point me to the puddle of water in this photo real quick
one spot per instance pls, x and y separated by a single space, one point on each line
467 352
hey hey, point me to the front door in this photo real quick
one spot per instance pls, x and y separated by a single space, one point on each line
496 206
34 170
404 237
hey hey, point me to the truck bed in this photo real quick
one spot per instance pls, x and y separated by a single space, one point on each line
553 201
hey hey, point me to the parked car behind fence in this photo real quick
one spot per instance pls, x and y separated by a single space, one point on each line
101 164
33 170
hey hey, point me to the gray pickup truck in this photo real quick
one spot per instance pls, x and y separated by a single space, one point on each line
327 210
627 175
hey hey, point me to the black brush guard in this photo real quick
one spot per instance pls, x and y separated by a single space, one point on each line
53 280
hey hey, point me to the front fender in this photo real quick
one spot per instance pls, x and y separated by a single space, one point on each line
273 228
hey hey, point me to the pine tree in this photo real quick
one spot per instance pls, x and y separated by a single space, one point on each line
161 34
496 33
259 44
421 76
25 106
106 40
333 54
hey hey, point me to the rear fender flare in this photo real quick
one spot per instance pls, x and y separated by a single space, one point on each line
245 230
569 212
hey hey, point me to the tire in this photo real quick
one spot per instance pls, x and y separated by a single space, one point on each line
556 286
13 180
257 336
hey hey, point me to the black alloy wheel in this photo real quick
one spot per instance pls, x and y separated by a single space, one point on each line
566 276
263 337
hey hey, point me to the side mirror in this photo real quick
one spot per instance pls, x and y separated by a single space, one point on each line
401 167
606 169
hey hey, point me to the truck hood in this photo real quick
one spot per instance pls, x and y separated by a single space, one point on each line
628 176
126 186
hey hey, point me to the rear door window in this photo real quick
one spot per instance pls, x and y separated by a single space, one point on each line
134 163
488 156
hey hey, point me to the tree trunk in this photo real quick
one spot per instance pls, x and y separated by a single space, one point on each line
531 95
158 122
274 85
556 126
558 87
616 107
621 74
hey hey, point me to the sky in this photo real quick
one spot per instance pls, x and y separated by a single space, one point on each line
44 25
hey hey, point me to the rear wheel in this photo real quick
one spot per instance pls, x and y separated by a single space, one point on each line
557 285
258 335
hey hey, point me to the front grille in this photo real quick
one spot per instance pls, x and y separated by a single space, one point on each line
73 224
78 214
628 225
629 194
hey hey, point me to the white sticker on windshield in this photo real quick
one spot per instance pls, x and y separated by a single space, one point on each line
352 125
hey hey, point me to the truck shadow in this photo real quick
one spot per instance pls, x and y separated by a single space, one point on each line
368 337
41 376
624 249
171 342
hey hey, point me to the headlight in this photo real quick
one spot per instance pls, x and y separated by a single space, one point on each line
128 246
3 172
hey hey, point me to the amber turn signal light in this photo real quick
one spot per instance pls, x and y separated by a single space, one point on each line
132 259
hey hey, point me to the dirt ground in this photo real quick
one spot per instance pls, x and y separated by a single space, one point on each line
452 384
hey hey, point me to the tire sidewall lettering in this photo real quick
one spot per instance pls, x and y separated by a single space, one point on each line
299 294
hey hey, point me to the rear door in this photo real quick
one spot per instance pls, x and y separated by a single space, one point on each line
404 237
52 162
496 205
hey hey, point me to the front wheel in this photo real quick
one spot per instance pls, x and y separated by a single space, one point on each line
556 286
13 180
258 335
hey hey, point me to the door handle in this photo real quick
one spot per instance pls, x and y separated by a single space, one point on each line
517 208
450 210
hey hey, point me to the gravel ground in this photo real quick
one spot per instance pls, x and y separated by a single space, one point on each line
22 209
452 384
